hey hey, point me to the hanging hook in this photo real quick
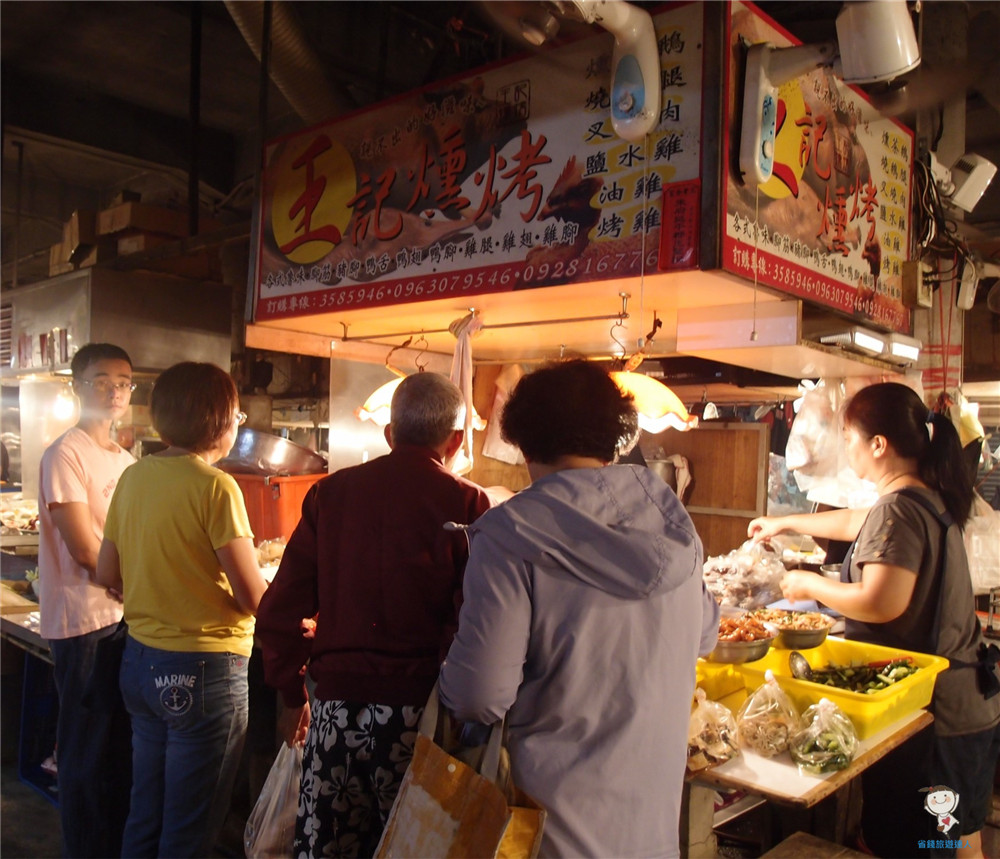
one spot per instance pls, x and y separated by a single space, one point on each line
423 351
388 366
619 359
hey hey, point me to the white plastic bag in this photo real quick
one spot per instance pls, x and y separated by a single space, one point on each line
270 828
982 545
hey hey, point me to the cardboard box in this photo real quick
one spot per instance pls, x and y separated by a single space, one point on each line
104 250
138 242
126 195
80 233
59 262
141 217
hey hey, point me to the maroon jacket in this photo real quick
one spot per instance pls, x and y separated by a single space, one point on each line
371 557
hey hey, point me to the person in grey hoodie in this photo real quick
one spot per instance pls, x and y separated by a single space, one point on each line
584 612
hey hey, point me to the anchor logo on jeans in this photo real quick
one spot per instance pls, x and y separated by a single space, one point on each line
175 692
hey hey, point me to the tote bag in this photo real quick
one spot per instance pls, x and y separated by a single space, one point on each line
448 808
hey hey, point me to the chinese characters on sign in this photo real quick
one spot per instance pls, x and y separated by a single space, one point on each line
831 223
510 178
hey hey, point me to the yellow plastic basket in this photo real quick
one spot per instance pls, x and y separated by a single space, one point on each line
869 713
718 679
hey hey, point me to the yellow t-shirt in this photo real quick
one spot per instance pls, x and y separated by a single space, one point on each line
167 517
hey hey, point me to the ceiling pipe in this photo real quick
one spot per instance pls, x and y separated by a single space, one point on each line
294 67
194 111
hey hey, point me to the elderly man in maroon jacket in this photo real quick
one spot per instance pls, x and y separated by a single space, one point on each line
371 560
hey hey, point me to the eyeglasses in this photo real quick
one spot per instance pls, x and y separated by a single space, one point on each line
241 418
103 386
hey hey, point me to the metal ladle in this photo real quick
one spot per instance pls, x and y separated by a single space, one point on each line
799 666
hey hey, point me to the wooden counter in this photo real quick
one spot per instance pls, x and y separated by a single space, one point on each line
19 622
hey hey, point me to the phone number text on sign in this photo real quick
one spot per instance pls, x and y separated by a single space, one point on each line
800 281
490 279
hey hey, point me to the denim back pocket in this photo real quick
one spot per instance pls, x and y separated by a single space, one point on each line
180 689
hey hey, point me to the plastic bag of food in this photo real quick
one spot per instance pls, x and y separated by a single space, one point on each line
827 741
767 720
270 551
711 733
748 577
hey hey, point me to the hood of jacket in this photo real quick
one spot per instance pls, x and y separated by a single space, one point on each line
619 528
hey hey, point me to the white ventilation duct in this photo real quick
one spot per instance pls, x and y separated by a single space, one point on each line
293 65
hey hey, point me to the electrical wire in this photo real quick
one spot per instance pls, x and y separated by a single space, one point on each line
936 232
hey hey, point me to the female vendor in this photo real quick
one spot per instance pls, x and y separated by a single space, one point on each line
905 584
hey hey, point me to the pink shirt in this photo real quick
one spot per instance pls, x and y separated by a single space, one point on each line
74 468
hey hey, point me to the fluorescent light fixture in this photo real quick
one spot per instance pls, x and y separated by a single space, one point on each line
857 338
903 350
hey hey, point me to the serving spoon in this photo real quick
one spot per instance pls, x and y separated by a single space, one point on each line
799 665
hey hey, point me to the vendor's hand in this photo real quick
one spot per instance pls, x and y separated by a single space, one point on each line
308 627
293 724
796 585
763 528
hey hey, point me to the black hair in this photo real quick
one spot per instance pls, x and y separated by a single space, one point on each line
569 408
91 353
895 411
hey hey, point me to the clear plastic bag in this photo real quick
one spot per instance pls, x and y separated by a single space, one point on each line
827 741
748 577
270 829
711 733
982 545
767 720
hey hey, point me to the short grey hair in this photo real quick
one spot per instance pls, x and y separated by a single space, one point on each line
426 408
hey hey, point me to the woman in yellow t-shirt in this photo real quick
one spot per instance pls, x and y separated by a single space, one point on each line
179 549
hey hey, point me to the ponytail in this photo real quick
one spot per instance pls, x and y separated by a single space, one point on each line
943 467
895 411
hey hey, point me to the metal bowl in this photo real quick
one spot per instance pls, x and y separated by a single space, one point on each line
262 453
830 571
801 639
736 652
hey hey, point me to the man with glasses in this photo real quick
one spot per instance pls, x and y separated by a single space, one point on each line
79 472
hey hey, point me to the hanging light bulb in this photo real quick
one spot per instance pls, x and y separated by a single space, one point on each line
658 406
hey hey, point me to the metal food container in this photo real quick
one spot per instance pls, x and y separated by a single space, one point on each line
737 652
263 453
801 639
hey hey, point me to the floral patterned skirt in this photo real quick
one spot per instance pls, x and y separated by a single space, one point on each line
353 763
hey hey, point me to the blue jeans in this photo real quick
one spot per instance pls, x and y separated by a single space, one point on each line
189 721
93 752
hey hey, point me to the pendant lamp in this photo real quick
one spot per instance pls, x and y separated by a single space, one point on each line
658 406
378 405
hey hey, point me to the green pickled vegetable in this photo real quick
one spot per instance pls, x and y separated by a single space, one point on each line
866 679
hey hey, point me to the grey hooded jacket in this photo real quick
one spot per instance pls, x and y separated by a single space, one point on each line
584 614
